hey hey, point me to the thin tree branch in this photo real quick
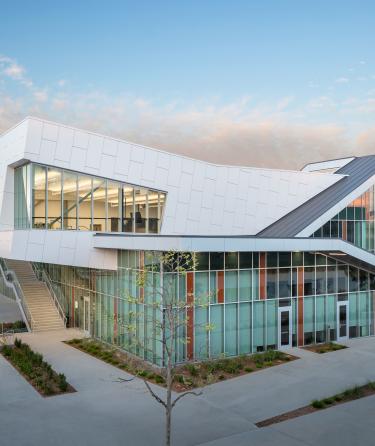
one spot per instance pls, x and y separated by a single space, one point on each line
158 399
184 394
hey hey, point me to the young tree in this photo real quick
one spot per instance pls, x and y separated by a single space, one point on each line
170 329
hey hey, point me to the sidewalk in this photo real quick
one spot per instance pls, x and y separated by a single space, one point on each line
105 411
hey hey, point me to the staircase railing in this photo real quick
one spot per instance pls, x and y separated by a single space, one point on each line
43 276
10 281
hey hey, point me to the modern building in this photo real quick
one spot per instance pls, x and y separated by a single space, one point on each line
286 256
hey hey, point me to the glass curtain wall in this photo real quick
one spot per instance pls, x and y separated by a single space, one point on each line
355 223
84 202
69 203
54 198
114 197
38 206
245 290
99 204
62 199
22 197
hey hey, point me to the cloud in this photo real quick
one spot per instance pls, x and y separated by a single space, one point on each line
342 80
41 95
284 133
10 68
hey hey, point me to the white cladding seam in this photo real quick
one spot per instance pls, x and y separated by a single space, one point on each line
202 198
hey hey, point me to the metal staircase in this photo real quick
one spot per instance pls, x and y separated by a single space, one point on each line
40 305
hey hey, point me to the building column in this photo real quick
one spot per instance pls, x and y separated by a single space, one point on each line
262 276
190 315
300 292
73 309
115 313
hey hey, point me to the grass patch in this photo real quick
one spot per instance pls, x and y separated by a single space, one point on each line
187 376
325 348
37 372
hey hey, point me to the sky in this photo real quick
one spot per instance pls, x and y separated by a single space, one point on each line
270 83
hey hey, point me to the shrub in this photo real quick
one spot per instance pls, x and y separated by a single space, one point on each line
63 385
328 401
179 379
159 379
192 369
7 351
18 343
248 369
318 404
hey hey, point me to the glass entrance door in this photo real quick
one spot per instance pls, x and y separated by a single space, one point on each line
342 321
285 327
86 315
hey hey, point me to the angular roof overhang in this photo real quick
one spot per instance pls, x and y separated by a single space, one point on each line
305 219
339 249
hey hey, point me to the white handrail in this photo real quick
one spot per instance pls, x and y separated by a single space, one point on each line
20 298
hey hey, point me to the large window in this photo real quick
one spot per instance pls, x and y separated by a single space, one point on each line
39 197
69 200
355 223
62 199
21 197
84 200
141 210
54 198
114 192
99 201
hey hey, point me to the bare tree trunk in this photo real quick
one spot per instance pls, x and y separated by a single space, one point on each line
169 402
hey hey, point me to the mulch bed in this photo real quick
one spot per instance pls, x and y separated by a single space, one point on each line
341 398
324 348
36 371
187 376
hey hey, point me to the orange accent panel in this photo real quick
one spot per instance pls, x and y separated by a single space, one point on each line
141 259
300 306
262 276
220 287
190 314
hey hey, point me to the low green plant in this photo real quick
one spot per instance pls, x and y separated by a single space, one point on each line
192 369
318 404
159 379
179 379
248 369
32 366
143 373
63 385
